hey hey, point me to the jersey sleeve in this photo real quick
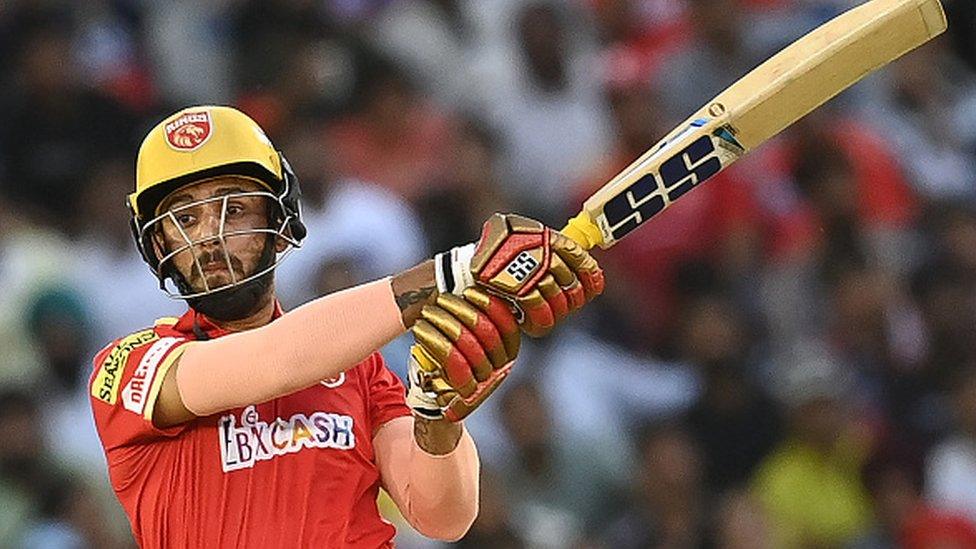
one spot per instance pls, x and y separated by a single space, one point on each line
124 386
387 395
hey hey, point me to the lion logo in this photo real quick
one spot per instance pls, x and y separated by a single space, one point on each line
189 131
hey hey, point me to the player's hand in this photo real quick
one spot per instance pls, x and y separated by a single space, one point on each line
465 347
542 271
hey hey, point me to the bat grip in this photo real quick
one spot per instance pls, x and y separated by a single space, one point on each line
582 230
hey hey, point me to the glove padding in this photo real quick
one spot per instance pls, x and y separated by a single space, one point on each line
464 349
545 273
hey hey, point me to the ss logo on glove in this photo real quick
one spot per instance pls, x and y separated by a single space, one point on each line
543 273
522 266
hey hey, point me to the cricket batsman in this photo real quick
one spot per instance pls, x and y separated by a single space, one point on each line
240 425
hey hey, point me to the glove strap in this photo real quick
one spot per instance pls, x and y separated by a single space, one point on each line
453 269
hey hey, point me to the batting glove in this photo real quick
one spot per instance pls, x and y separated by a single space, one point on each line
465 347
544 273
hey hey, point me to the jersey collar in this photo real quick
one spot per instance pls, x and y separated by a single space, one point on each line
196 324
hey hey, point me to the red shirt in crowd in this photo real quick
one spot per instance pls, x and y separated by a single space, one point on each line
928 528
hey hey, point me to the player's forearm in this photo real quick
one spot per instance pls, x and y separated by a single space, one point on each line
436 437
437 494
412 289
313 342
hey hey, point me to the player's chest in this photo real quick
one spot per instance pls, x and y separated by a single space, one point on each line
324 425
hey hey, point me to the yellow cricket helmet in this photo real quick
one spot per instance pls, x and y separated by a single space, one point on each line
203 142
197 143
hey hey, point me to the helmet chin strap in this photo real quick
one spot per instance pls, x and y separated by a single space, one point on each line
238 302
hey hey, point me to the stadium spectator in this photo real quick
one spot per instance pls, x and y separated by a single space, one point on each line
930 121
740 522
70 515
435 40
951 466
112 57
720 51
849 204
722 225
28 477
129 299
637 36
493 528
55 128
33 258
265 33
963 16
893 477
604 405
668 507
59 327
854 189
953 230
473 187
394 137
874 332
547 105
809 485
733 421
559 487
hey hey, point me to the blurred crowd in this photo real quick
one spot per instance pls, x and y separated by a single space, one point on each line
786 358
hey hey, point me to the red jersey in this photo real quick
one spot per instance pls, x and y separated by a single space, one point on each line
297 471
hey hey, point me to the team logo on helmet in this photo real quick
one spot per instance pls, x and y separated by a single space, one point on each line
189 131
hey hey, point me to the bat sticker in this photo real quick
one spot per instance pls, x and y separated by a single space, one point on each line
728 141
652 193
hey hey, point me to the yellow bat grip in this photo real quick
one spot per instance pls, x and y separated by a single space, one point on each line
583 231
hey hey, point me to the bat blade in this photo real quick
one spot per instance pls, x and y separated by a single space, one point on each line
783 89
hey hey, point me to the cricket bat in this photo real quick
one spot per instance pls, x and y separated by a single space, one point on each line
773 96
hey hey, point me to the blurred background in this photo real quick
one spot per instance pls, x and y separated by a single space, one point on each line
787 358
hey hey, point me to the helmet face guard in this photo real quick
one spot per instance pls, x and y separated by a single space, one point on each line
276 228
283 222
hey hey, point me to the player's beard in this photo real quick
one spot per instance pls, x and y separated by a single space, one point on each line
237 302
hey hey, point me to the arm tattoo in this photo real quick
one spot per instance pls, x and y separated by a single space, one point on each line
436 437
412 297
413 289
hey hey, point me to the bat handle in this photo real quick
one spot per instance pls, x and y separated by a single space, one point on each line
583 231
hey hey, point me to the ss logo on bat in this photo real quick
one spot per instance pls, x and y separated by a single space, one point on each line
644 198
